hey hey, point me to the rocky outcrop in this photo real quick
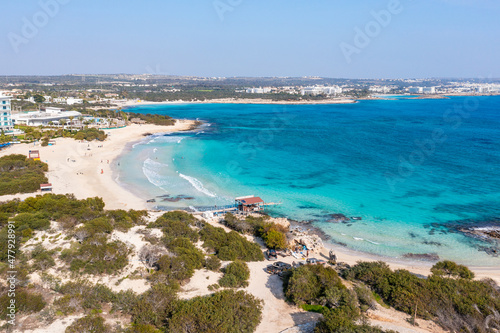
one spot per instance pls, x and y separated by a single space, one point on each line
311 241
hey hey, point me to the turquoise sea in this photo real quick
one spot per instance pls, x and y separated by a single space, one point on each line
415 171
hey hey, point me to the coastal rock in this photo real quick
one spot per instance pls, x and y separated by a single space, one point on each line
311 241
282 221
492 233
337 218
422 256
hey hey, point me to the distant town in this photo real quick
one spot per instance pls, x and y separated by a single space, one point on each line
74 101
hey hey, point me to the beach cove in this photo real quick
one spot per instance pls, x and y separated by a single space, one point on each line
339 159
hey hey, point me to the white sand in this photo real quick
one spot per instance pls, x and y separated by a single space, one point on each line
75 167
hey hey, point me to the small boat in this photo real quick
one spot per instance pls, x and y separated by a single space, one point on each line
151 200
356 218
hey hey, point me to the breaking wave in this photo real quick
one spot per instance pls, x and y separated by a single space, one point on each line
197 185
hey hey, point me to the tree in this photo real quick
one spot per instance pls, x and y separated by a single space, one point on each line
39 98
451 268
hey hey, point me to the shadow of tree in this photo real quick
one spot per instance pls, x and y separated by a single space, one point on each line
275 284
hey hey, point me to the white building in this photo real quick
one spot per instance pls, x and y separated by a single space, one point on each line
72 100
6 124
266 90
45 117
334 90
416 90
429 90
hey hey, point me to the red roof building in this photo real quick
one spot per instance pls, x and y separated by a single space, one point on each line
249 204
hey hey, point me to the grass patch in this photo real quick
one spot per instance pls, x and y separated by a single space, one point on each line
313 308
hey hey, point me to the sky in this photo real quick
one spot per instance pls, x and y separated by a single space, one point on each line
225 38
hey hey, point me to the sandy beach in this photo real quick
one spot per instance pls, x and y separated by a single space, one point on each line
132 103
85 168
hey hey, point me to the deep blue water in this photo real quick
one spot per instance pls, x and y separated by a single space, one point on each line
409 168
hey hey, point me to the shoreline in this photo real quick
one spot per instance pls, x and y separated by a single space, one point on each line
69 157
263 101
85 169
352 256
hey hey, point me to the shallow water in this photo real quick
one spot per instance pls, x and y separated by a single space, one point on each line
413 170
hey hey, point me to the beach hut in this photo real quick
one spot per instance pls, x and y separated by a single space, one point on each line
34 155
46 187
249 203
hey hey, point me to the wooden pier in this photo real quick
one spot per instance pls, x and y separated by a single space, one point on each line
243 205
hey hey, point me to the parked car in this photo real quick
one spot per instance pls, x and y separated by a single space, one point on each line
272 255
314 261
278 267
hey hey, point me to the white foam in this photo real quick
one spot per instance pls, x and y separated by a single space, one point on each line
375 243
358 239
166 139
151 169
197 185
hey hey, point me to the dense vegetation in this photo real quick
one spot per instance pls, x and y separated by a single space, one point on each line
449 296
18 174
226 311
90 134
45 135
236 275
320 289
273 235
171 260
156 119
229 246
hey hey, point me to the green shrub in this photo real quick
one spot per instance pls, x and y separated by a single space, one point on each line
18 174
26 302
97 256
212 263
230 246
90 134
456 303
91 323
236 275
181 266
82 295
225 311
155 306
42 259
315 284
451 269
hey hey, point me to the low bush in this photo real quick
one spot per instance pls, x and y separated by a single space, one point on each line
90 134
26 302
82 295
155 306
230 246
213 263
91 323
456 302
225 311
97 256
236 275
18 174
